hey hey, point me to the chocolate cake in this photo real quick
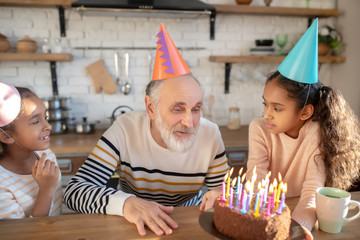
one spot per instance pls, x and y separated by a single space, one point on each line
232 223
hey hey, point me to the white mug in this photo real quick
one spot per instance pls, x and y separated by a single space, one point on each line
332 205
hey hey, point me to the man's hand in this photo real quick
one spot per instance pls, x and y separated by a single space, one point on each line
209 198
154 215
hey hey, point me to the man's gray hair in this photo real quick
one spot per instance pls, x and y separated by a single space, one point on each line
154 87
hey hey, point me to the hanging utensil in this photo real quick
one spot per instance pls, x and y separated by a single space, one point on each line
116 57
126 88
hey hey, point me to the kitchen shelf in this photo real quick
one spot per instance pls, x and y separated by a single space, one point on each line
51 57
278 11
269 59
56 57
37 3
228 60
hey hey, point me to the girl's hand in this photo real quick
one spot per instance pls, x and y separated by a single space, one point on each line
46 174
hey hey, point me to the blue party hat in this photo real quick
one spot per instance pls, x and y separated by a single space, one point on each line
301 64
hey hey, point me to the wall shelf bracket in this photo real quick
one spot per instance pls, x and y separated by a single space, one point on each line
212 24
62 21
227 77
54 78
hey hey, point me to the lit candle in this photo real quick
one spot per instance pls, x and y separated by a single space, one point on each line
253 179
266 187
242 184
244 197
228 182
223 199
278 193
273 195
278 190
256 207
238 189
231 193
284 189
261 199
268 209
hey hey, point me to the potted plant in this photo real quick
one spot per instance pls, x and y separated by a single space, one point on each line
329 38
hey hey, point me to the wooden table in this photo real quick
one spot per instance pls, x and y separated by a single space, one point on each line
99 226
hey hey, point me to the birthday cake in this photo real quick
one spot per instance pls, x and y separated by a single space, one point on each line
244 215
234 224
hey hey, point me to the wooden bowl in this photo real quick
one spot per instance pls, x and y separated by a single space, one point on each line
243 2
4 43
26 45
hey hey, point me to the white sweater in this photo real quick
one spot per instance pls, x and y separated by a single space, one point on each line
294 159
146 169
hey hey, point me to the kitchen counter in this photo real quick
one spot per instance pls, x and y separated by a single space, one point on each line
83 143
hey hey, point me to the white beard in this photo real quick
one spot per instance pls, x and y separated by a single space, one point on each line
174 143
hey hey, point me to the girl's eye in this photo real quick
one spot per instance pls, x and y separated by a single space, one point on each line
36 122
264 103
47 118
277 109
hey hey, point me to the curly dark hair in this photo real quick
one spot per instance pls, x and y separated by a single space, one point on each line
339 129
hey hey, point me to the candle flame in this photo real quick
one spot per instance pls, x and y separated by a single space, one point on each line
243 178
285 188
247 186
231 171
271 189
263 182
280 179
241 170
268 175
254 170
226 176
275 183
253 178
259 186
233 182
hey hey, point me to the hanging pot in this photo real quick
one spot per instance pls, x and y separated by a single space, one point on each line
57 114
55 102
84 127
58 127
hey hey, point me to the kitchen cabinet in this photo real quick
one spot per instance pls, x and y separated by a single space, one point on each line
51 57
311 13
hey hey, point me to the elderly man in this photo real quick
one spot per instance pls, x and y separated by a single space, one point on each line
164 156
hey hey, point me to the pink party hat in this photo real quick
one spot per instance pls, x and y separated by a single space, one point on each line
10 103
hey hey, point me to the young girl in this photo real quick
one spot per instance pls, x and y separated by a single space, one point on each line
308 133
30 180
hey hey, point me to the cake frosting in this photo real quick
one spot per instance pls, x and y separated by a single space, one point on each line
232 223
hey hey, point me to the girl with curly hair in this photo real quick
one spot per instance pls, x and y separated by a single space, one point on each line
308 134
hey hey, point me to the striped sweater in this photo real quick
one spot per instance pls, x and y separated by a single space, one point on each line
18 193
146 169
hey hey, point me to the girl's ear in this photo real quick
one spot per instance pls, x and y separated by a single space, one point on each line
150 107
307 112
5 138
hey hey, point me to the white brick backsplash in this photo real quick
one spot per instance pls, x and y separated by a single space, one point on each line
234 35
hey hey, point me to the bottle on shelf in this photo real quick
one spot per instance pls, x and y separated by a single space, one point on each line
234 122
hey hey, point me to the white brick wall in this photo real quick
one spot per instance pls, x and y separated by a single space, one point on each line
234 35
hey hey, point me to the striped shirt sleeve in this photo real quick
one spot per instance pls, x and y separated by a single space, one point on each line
87 191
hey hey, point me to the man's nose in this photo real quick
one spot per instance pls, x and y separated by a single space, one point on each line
188 120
